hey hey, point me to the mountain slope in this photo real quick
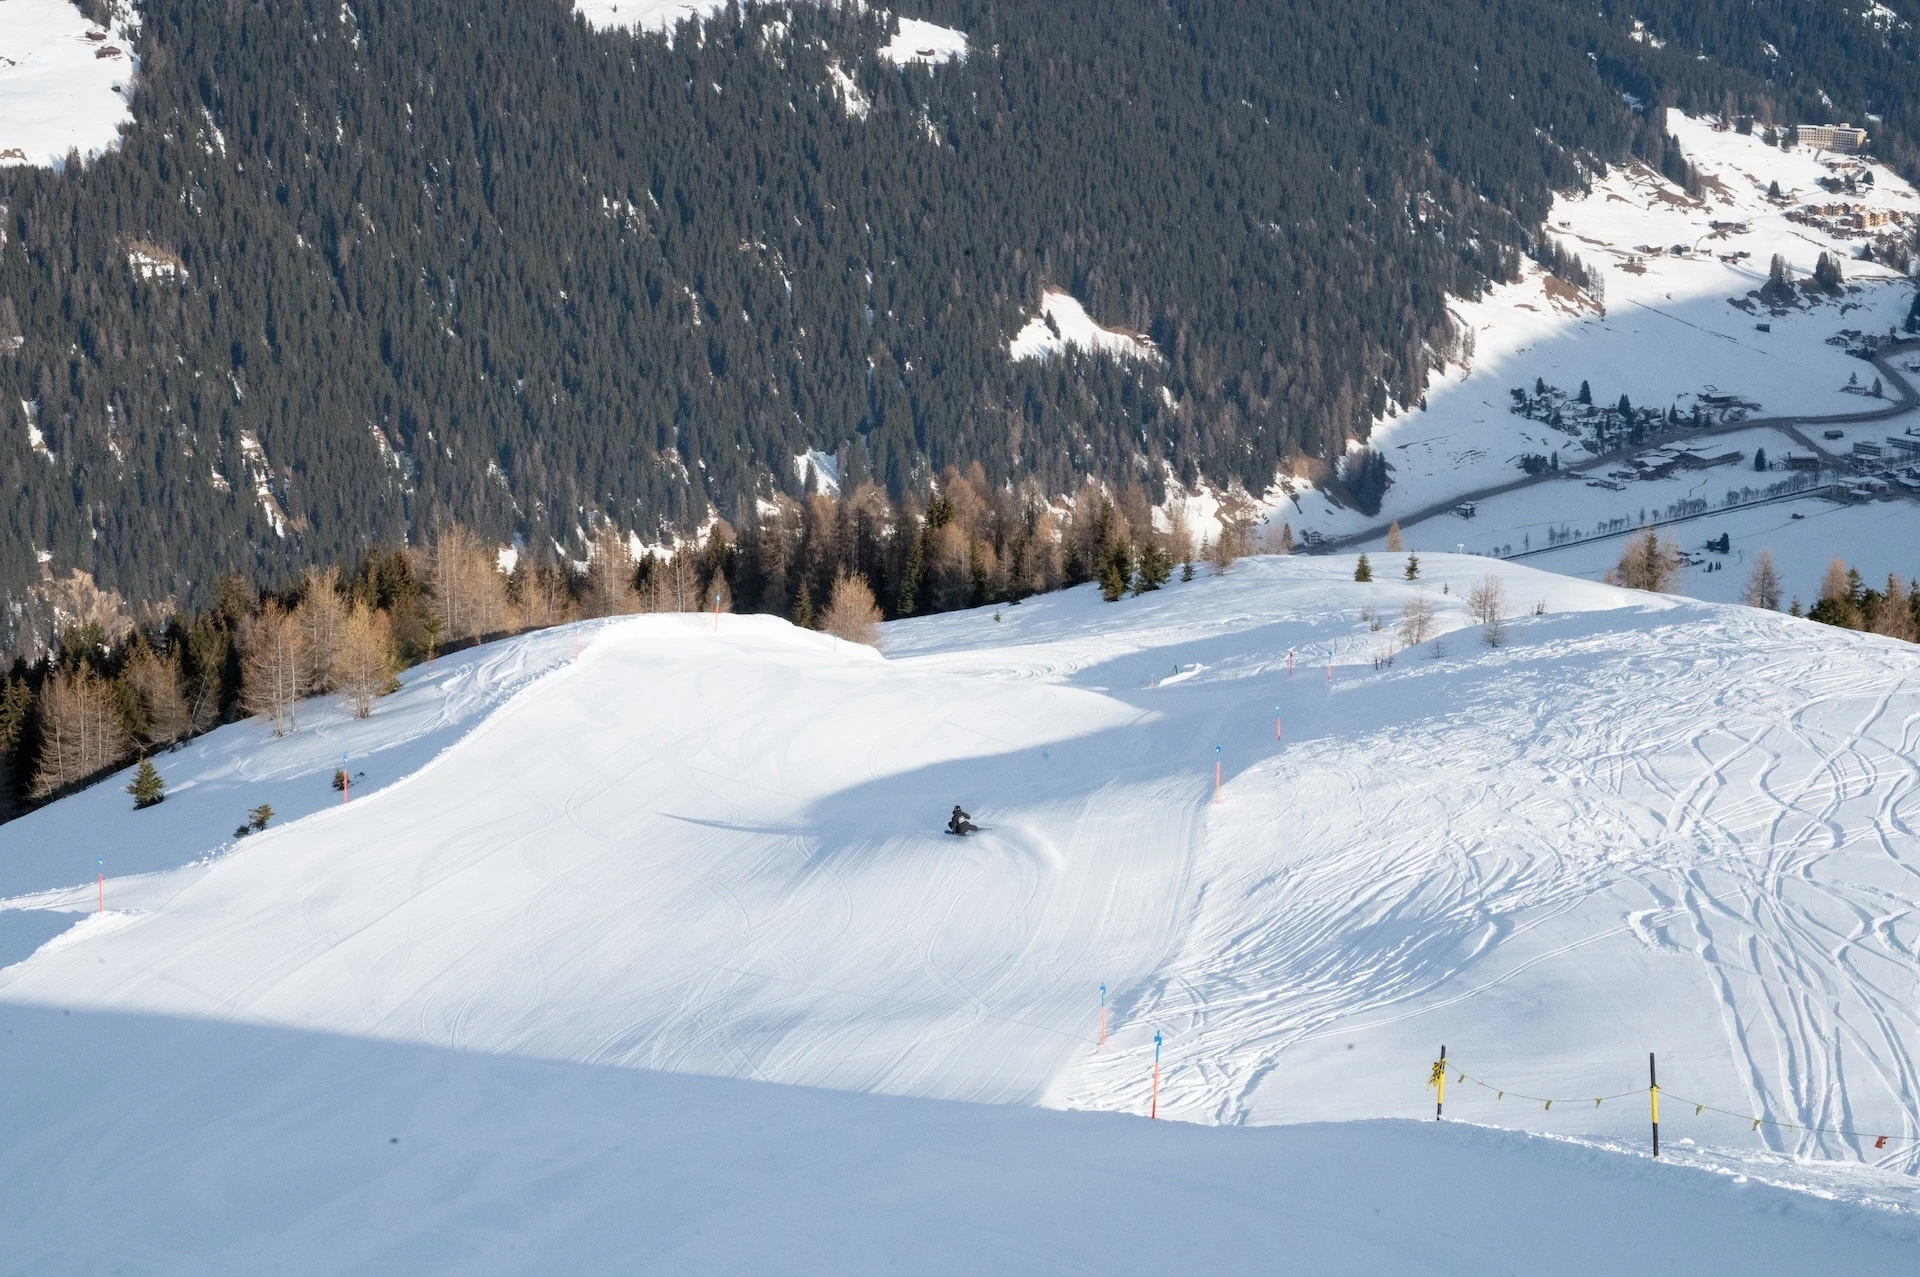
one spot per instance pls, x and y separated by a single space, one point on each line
1641 825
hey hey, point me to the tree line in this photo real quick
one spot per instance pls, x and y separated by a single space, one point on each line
113 688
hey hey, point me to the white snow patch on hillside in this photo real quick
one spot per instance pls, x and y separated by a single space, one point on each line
644 15
1064 322
924 42
857 103
826 471
1668 336
64 83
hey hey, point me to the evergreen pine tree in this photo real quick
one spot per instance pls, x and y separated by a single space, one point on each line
1363 571
1586 393
1413 567
1114 571
1186 570
803 607
148 789
1155 567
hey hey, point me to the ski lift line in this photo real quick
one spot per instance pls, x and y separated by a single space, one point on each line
1699 1107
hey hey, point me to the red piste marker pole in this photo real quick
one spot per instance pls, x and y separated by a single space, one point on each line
345 781
1216 773
1276 722
1103 1014
1153 1109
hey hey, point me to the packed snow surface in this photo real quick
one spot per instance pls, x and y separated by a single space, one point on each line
64 83
1063 322
713 848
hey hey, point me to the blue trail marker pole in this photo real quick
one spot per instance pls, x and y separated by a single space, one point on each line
1216 773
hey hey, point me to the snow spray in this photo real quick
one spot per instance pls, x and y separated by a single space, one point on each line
1153 1110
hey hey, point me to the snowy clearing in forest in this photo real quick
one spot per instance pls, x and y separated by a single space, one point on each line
1063 322
714 848
64 83
920 41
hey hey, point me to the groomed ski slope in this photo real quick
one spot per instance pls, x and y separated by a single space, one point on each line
1643 824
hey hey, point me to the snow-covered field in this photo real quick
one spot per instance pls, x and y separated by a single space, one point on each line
1669 334
64 83
1644 824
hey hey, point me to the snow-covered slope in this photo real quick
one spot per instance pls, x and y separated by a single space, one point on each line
1670 334
64 82
1642 825
1063 322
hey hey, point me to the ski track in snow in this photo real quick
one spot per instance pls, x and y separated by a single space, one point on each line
1642 825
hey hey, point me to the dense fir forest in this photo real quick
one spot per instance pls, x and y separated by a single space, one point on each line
361 271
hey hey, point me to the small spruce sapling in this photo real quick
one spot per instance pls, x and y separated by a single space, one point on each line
1413 567
1363 571
148 789
257 818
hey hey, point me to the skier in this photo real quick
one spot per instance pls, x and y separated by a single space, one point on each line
960 823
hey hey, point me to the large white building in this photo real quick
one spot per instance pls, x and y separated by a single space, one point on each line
1833 137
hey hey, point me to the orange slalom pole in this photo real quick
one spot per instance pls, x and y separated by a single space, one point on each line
1153 1110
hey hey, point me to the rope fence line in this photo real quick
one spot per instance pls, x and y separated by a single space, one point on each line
1437 1080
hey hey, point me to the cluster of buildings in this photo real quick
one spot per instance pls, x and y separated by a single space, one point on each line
1838 217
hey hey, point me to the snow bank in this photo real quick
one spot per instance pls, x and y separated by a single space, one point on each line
64 83
241 1150
1064 322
